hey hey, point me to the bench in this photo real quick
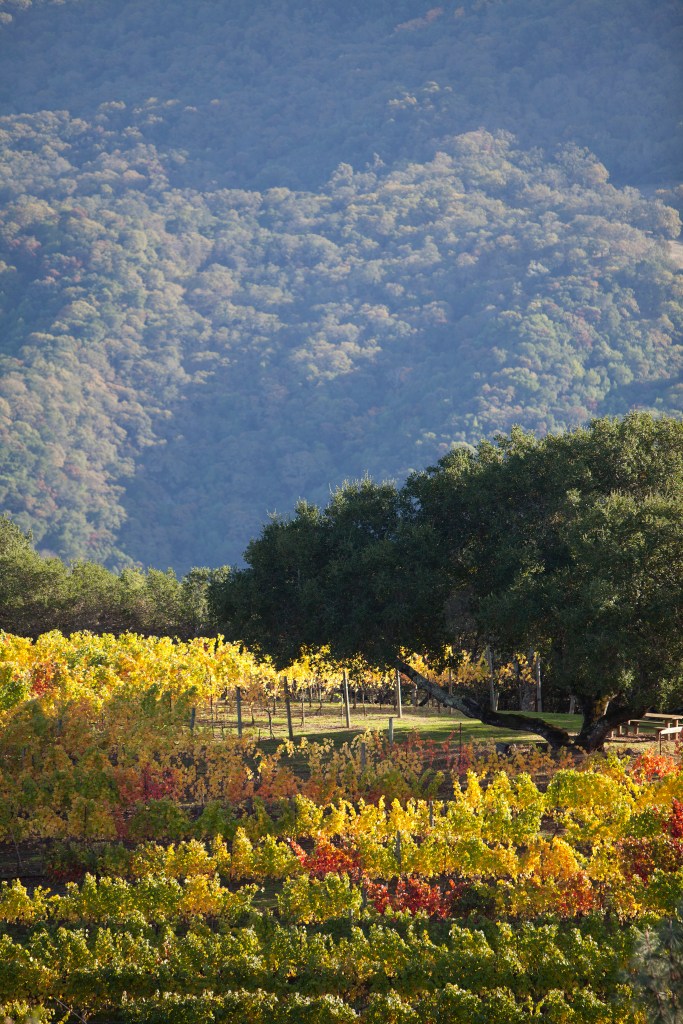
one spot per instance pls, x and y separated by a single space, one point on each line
638 726
665 719
654 724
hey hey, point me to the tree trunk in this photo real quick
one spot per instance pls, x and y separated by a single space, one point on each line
469 707
599 718
493 692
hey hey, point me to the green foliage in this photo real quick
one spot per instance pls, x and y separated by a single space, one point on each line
39 594
310 899
393 972
18 1012
162 819
216 820
657 964
571 545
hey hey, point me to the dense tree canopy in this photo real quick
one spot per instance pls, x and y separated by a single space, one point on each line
168 354
571 545
250 250
278 93
39 594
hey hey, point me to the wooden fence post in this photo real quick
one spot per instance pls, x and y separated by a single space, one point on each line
238 698
399 705
288 708
345 691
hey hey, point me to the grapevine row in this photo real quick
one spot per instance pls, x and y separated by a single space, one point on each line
101 968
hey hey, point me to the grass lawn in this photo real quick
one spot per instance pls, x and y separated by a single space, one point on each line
328 722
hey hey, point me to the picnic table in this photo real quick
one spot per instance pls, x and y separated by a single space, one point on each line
655 723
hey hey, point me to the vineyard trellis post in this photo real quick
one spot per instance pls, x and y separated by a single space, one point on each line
288 708
238 701
345 691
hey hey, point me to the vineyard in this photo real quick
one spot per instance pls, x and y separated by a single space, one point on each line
160 868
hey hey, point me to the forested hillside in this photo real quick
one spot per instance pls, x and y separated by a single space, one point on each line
250 249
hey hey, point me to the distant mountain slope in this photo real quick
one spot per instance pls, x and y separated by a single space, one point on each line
249 249
261 93
178 362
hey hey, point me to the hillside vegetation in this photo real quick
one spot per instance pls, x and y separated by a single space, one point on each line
247 251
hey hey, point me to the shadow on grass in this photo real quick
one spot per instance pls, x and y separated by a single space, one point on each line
430 725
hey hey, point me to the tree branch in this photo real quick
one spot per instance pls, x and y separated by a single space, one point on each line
471 708
594 734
